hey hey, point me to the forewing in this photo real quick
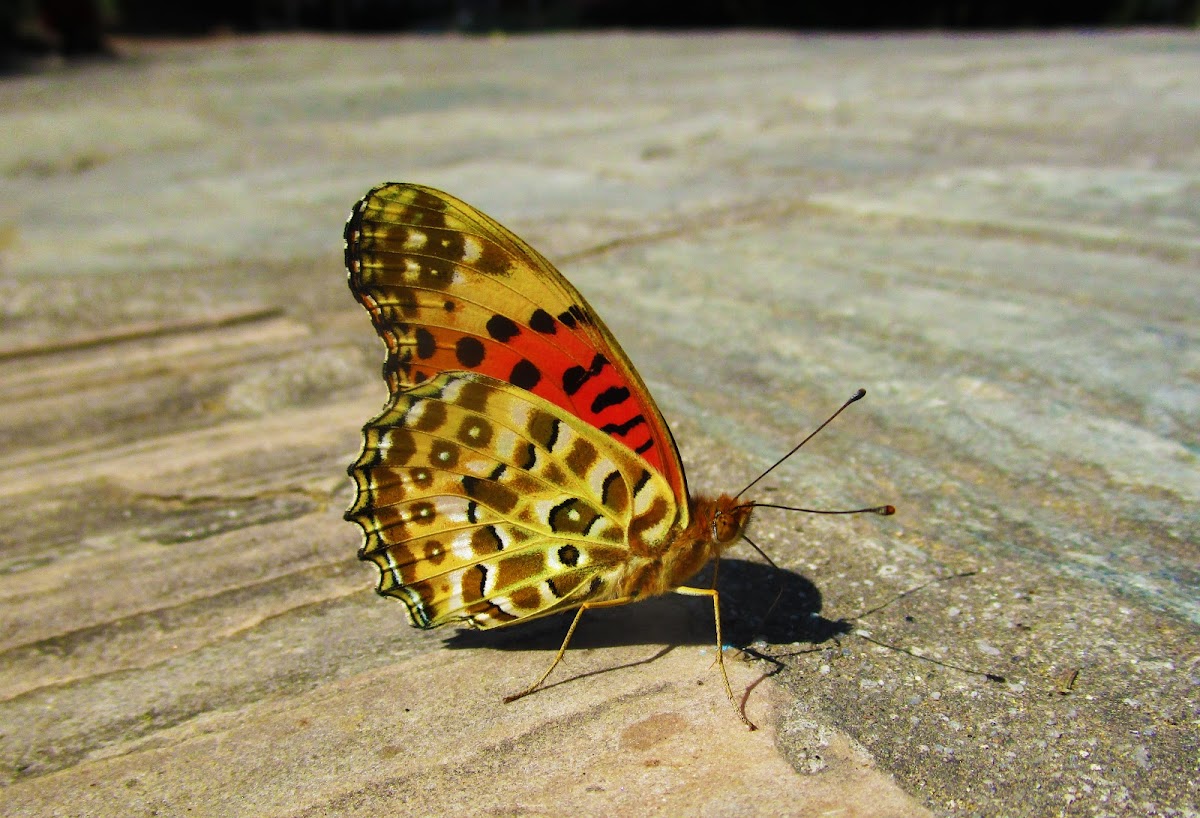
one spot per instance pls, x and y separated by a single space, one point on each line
450 289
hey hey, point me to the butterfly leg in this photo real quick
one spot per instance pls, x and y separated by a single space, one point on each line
607 603
716 600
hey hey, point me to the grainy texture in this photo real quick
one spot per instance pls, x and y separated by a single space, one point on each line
995 236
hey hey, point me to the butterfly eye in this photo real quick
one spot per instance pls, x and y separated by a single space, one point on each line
724 527
729 521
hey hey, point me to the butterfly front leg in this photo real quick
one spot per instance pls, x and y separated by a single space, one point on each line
607 603
716 600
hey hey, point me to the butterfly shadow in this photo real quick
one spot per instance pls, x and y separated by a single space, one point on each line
758 604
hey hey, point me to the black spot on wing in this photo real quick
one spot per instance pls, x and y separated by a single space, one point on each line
543 322
613 396
469 352
502 328
426 344
575 377
622 428
525 375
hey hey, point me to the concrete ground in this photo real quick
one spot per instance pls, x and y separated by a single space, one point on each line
997 236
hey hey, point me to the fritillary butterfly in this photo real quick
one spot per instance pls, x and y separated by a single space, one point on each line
520 466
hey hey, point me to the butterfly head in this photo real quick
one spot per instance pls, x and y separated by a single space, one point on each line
729 520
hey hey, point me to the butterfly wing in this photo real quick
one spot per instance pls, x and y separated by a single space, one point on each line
520 460
450 289
487 504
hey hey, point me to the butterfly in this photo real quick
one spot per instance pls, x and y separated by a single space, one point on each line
520 467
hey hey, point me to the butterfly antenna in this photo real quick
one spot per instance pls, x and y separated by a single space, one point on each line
991 677
856 396
771 562
862 634
881 510
761 553
913 590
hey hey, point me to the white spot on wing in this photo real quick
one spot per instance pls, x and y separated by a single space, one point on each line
596 476
644 498
452 509
415 239
479 467
472 250
505 444
452 388
543 508
460 547
566 438
414 413
454 599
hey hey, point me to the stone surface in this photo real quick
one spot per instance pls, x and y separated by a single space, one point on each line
995 236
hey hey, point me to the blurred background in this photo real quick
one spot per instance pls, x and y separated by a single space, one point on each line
35 29
998 235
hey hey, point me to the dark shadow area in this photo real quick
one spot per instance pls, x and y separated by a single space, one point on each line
747 590
485 16
73 30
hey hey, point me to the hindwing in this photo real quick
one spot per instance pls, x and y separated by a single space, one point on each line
487 504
